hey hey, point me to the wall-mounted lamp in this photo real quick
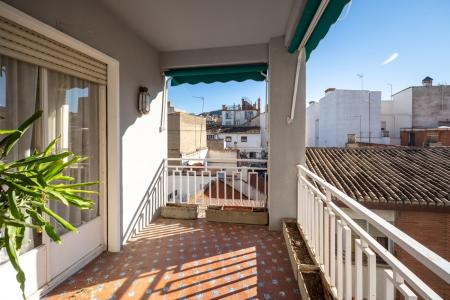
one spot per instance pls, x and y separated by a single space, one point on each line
144 100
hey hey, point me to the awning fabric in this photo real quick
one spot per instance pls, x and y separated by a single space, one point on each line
217 74
329 17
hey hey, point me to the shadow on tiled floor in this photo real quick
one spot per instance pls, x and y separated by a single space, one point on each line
174 259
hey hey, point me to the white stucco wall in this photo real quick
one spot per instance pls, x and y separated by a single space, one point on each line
287 141
402 113
253 143
344 112
312 124
237 117
143 147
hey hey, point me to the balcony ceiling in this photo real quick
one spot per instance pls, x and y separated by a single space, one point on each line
171 25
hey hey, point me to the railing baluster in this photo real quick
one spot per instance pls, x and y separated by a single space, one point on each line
389 284
316 226
372 273
203 186
321 221
265 190
232 188
359 270
195 186
348 262
225 187
326 249
340 269
332 249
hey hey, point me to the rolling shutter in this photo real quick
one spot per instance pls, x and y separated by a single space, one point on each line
24 44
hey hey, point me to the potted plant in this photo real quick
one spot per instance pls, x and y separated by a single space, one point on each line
26 187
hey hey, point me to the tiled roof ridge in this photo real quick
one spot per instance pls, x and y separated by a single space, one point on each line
401 176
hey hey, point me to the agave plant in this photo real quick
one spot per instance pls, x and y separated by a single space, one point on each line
26 187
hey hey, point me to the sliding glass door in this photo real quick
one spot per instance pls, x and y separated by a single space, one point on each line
74 113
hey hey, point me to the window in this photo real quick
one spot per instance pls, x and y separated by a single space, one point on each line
228 139
243 139
383 125
227 115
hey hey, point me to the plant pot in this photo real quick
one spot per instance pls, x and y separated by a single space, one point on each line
235 214
310 279
180 211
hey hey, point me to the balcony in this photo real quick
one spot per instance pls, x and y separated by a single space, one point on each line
184 259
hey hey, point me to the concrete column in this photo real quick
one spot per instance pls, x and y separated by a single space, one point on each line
287 141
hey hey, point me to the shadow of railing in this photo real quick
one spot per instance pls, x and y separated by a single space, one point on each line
150 206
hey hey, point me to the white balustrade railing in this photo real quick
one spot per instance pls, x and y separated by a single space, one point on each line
347 253
222 182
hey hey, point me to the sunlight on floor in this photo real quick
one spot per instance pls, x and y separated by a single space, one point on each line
175 259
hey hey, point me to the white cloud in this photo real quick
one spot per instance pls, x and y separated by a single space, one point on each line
391 58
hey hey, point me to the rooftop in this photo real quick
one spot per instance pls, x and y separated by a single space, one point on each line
384 177
234 129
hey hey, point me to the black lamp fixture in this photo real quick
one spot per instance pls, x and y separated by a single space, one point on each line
144 100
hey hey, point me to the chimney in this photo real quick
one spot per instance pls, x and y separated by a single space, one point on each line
329 90
427 81
224 107
259 105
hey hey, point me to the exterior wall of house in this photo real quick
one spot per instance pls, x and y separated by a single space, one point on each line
237 117
283 136
432 229
253 143
344 112
312 124
261 122
430 105
92 23
401 114
425 137
186 134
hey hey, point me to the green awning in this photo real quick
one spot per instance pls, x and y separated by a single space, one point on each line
329 17
217 74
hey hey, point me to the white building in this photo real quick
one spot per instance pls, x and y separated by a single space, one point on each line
245 139
342 113
261 122
425 106
312 124
238 115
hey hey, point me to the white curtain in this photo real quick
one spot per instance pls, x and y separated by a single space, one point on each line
73 116
19 99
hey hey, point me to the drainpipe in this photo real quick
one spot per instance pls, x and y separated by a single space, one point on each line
301 62
164 104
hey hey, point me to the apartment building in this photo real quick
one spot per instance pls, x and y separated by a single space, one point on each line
425 106
341 113
186 136
238 115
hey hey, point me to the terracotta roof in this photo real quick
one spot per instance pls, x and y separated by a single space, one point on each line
386 176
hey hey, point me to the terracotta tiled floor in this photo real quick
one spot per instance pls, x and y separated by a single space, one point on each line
175 259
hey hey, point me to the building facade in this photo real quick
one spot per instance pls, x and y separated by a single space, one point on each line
341 113
238 115
425 106
245 139
425 137
186 136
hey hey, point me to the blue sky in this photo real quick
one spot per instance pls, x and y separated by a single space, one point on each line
411 38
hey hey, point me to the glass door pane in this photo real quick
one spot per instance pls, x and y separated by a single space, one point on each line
19 99
73 118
